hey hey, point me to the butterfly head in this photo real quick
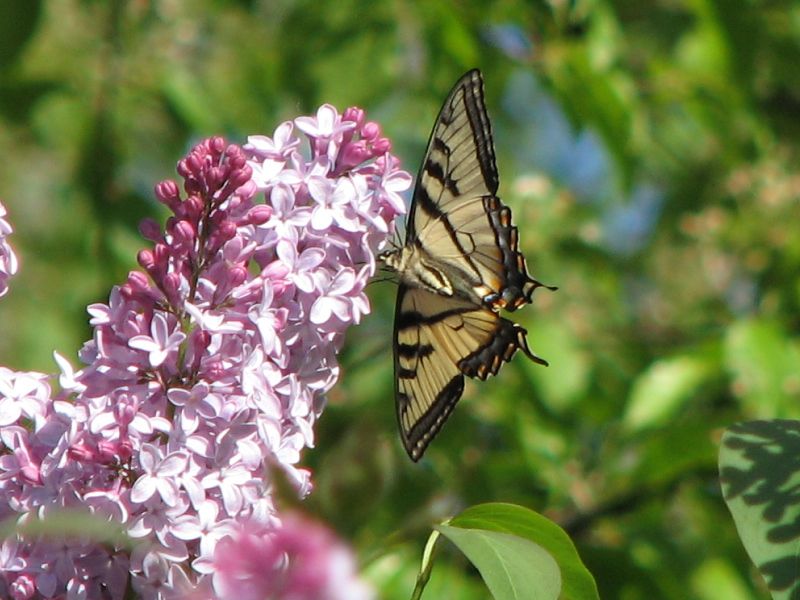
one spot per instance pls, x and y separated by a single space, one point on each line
391 258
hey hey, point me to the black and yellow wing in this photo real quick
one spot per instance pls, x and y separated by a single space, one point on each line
459 266
456 216
437 342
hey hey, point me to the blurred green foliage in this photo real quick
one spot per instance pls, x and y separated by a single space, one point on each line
649 153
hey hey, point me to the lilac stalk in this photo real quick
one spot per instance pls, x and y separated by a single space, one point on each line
205 373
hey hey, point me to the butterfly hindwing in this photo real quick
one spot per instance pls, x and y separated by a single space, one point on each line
437 341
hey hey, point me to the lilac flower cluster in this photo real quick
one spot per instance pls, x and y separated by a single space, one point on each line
206 371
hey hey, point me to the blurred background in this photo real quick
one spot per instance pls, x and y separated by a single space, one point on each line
649 152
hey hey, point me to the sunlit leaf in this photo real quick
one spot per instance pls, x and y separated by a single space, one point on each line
512 567
566 379
663 389
764 364
759 466
718 578
577 582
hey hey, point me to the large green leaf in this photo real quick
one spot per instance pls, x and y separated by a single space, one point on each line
512 567
760 473
576 581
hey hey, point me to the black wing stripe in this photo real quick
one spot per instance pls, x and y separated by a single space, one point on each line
430 208
422 198
404 373
466 97
437 171
482 130
411 319
420 434
414 350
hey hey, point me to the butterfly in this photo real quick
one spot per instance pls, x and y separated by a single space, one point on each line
459 266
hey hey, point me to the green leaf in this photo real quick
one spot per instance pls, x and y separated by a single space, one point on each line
577 582
763 362
759 466
196 110
660 391
512 567
565 381
718 578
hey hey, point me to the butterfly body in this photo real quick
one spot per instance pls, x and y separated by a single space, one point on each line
459 266
417 268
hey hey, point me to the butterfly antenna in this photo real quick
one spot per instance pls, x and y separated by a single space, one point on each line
380 280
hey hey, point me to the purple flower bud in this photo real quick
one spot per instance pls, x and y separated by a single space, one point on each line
199 341
107 452
259 214
138 282
167 193
146 260
226 230
23 587
235 156
370 131
354 114
353 154
150 229
193 207
161 254
239 177
184 233
216 145
238 275
137 289
215 176
381 146
171 286
193 167
81 453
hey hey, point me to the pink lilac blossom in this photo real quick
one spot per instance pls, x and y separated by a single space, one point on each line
300 560
205 373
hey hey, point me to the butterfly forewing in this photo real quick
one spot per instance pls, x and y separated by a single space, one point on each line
459 161
455 213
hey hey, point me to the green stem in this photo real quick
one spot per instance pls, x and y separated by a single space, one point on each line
426 567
